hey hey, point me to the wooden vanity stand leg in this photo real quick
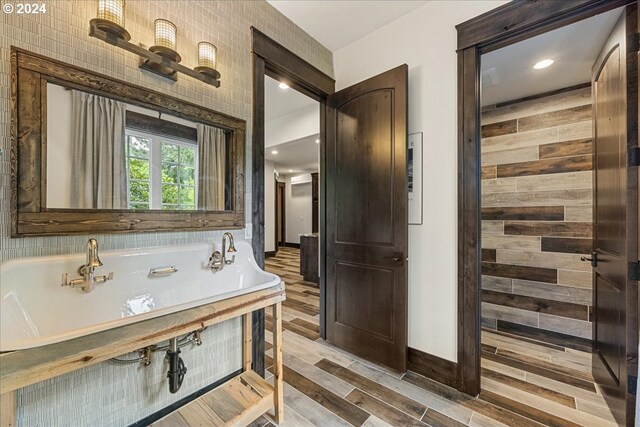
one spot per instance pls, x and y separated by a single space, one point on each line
246 341
8 403
278 388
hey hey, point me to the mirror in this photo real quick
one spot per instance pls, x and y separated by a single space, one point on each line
92 154
109 154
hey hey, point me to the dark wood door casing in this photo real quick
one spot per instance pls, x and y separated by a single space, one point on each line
271 58
366 223
502 26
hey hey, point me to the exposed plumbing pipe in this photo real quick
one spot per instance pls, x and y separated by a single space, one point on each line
177 370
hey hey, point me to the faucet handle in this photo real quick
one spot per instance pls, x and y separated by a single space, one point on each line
102 279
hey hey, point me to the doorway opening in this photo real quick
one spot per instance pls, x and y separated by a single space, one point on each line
291 167
550 196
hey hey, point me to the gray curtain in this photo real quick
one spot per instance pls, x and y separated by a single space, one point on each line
99 171
211 167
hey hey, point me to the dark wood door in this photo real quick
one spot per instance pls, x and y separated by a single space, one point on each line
281 213
366 218
615 327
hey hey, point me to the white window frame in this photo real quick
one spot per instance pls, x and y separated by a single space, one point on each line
155 165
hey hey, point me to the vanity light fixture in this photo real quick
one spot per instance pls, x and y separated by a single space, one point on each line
317 141
207 57
274 152
543 64
162 58
283 86
290 170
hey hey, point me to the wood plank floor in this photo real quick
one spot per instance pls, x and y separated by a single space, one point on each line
524 382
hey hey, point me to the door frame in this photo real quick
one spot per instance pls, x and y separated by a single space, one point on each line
502 26
272 59
283 216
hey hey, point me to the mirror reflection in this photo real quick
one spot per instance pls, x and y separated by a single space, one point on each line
107 154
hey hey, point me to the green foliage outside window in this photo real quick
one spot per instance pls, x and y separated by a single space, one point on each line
177 167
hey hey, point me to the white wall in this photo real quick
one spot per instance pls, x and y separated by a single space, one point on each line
425 40
269 207
299 124
59 146
298 209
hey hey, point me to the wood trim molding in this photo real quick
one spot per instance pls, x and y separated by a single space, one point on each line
156 125
288 65
273 59
521 19
30 74
434 367
497 28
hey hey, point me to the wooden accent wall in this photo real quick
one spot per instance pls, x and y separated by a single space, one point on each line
537 215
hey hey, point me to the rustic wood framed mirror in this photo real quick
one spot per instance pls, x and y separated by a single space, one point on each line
90 153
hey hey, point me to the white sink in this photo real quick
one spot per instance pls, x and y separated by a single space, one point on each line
36 311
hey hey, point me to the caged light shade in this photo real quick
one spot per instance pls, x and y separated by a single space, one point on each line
165 34
111 10
207 60
110 18
207 54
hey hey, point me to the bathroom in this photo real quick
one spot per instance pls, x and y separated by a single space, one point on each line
392 334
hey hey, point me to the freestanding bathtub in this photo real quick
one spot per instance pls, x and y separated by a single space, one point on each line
36 311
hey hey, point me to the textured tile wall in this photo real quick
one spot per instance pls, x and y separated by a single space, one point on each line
537 214
62 33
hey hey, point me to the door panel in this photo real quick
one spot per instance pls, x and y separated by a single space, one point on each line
366 289
615 321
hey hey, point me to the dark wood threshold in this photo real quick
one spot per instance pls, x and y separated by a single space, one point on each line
433 367
269 254
292 245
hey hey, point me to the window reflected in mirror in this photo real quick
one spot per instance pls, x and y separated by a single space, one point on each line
107 154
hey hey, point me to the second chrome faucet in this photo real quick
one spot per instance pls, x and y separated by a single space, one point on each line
218 260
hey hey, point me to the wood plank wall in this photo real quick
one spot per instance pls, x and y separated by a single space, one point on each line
537 215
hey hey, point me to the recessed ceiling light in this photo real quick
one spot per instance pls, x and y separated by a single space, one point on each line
274 151
543 64
290 170
317 141
283 86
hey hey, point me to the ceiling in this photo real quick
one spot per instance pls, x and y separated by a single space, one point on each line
336 24
280 102
300 155
508 73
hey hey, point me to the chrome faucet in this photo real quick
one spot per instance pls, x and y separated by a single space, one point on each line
87 271
218 260
225 251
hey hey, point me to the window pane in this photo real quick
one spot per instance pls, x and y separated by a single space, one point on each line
188 196
139 169
169 173
139 192
169 153
188 156
187 176
170 194
138 147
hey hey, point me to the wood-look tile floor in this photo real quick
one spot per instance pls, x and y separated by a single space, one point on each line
524 382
